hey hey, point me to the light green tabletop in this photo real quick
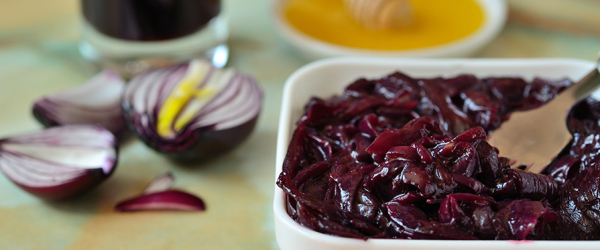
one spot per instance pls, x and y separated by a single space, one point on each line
38 55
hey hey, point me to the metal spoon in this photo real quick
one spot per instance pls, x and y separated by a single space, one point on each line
381 14
534 138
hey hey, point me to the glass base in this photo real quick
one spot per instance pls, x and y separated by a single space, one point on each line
133 57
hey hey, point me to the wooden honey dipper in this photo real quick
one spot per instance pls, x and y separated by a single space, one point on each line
381 14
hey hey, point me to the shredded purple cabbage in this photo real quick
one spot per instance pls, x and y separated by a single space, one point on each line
407 158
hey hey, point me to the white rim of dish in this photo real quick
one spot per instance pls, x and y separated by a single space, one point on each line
495 18
286 127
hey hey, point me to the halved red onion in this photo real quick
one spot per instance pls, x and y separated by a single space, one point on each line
59 162
158 196
97 101
192 111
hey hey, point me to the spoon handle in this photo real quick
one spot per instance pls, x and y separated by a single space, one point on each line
579 90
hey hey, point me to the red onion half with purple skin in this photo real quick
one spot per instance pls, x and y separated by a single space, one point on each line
192 111
97 101
59 162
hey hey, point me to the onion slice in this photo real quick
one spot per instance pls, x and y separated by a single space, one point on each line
192 111
97 101
59 162
161 183
158 196
164 200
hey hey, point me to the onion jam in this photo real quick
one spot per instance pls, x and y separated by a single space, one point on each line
149 20
407 158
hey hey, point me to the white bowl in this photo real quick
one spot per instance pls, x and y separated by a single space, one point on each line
328 77
495 12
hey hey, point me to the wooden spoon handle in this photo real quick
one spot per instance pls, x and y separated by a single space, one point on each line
381 14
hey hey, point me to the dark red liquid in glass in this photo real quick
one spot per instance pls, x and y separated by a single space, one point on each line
149 20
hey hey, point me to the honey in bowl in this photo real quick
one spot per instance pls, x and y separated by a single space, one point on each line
436 22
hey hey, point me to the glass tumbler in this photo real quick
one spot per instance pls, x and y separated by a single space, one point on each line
134 35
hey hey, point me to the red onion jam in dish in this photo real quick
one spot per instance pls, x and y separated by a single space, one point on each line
407 158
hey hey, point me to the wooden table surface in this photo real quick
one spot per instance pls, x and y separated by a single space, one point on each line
38 55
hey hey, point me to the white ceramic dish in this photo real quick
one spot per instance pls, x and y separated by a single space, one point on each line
328 77
495 13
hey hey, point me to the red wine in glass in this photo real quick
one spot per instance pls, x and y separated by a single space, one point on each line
133 35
